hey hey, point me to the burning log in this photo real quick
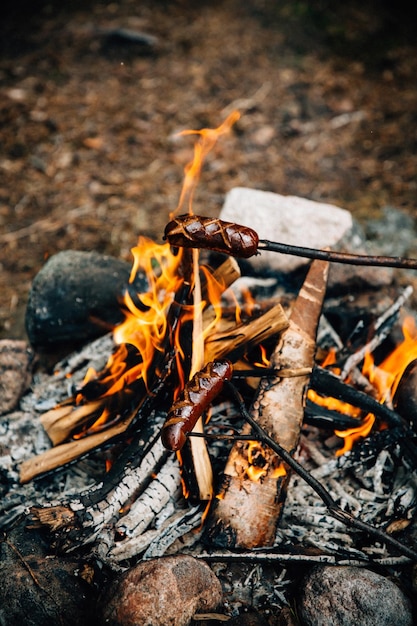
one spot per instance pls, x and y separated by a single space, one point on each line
249 504
234 341
67 452
62 421
78 521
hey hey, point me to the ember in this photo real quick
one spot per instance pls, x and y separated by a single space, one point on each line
193 347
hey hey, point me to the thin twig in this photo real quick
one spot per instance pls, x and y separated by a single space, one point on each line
265 556
334 510
24 562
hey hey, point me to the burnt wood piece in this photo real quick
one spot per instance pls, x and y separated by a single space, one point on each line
77 522
405 398
321 417
246 512
328 384
323 381
374 335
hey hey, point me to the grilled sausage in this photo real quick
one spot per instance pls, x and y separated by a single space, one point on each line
196 397
193 231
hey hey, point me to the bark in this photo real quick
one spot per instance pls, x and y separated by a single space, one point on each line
247 510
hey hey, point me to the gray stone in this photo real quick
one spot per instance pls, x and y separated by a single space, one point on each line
76 297
301 222
161 592
348 596
15 372
38 588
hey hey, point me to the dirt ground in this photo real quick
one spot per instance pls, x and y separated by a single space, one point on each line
89 152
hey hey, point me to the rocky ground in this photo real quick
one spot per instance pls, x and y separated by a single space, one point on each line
89 115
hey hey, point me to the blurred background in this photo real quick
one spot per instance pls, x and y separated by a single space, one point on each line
93 95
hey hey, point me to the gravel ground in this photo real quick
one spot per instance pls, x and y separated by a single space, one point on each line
89 150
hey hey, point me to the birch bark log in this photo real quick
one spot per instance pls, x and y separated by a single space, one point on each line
247 511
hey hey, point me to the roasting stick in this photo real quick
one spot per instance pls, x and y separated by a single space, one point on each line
338 257
193 231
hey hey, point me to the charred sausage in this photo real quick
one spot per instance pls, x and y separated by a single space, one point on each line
196 397
194 231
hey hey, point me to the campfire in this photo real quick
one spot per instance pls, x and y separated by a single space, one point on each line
229 426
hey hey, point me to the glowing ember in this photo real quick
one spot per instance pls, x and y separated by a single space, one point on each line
262 463
384 377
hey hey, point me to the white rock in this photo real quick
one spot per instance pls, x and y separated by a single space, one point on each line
286 219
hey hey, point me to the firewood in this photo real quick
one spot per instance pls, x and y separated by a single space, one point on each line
224 275
61 421
198 447
233 342
247 510
67 452
79 520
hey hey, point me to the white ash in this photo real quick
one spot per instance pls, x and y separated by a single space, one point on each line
375 494
165 486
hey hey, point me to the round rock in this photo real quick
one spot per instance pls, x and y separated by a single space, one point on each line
15 372
76 297
161 592
348 596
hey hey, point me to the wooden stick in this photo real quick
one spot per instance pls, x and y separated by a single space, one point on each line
62 420
231 342
247 511
68 452
201 459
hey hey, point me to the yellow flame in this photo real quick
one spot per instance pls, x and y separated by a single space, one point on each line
207 141
384 377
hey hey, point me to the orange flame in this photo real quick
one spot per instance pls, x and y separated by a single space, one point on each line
384 377
207 141
261 462
146 327
145 330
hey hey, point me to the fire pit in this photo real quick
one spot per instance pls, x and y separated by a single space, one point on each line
253 383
